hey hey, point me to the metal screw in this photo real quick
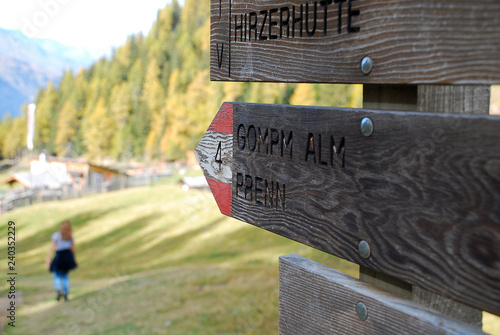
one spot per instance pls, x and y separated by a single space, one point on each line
366 126
361 311
364 249
366 65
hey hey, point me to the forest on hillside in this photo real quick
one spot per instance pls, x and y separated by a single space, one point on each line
152 99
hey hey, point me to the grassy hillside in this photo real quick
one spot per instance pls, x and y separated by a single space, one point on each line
151 261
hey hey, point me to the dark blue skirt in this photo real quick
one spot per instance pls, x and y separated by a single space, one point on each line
63 261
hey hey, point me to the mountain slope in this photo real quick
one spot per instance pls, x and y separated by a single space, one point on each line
27 64
151 260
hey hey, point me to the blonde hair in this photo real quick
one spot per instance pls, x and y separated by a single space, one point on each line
66 230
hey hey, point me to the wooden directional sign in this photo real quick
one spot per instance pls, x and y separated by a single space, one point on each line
315 299
423 190
434 41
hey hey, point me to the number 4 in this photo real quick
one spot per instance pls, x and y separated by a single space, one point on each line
218 154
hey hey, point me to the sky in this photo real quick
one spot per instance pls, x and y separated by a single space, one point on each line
96 25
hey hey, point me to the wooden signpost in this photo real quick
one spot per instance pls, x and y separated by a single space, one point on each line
413 197
434 41
332 177
325 301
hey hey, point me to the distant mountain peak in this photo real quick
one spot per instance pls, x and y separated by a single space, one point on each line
26 64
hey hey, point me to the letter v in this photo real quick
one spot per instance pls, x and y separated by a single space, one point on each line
220 55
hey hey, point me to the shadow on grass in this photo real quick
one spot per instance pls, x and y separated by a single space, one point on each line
76 221
120 245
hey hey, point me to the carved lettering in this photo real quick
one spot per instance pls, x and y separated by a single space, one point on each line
248 187
314 151
260 191
263 139
252 138
252 25
287 143
320 160
311 32
219 55
339 15
272 24
241 137
284 22
268 141
296 20
238 27
262 37
218 154
310 149
350 14
304 17
325 4
275 139
338 150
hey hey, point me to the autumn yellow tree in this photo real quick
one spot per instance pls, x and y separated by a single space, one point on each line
303 95
16 137
119 110
98 131
5 126
67 124
45 118
154 96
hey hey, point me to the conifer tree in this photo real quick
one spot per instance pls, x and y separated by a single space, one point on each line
120 108
98 131
5 126
67 125
45 119
154 97
65 88
16 137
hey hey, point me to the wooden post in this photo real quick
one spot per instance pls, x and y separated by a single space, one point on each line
411 197
427 98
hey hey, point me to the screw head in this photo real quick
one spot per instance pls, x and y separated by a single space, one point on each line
364 249
362 311
366 126
366 65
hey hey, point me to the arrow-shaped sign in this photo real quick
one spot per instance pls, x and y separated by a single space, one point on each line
417 188
215 155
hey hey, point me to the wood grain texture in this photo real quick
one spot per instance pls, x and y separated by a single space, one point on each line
423 191
450 99
447 306
215 150
457 99
433 41
315 299
206 152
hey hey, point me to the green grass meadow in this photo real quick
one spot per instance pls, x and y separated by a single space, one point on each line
152 260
